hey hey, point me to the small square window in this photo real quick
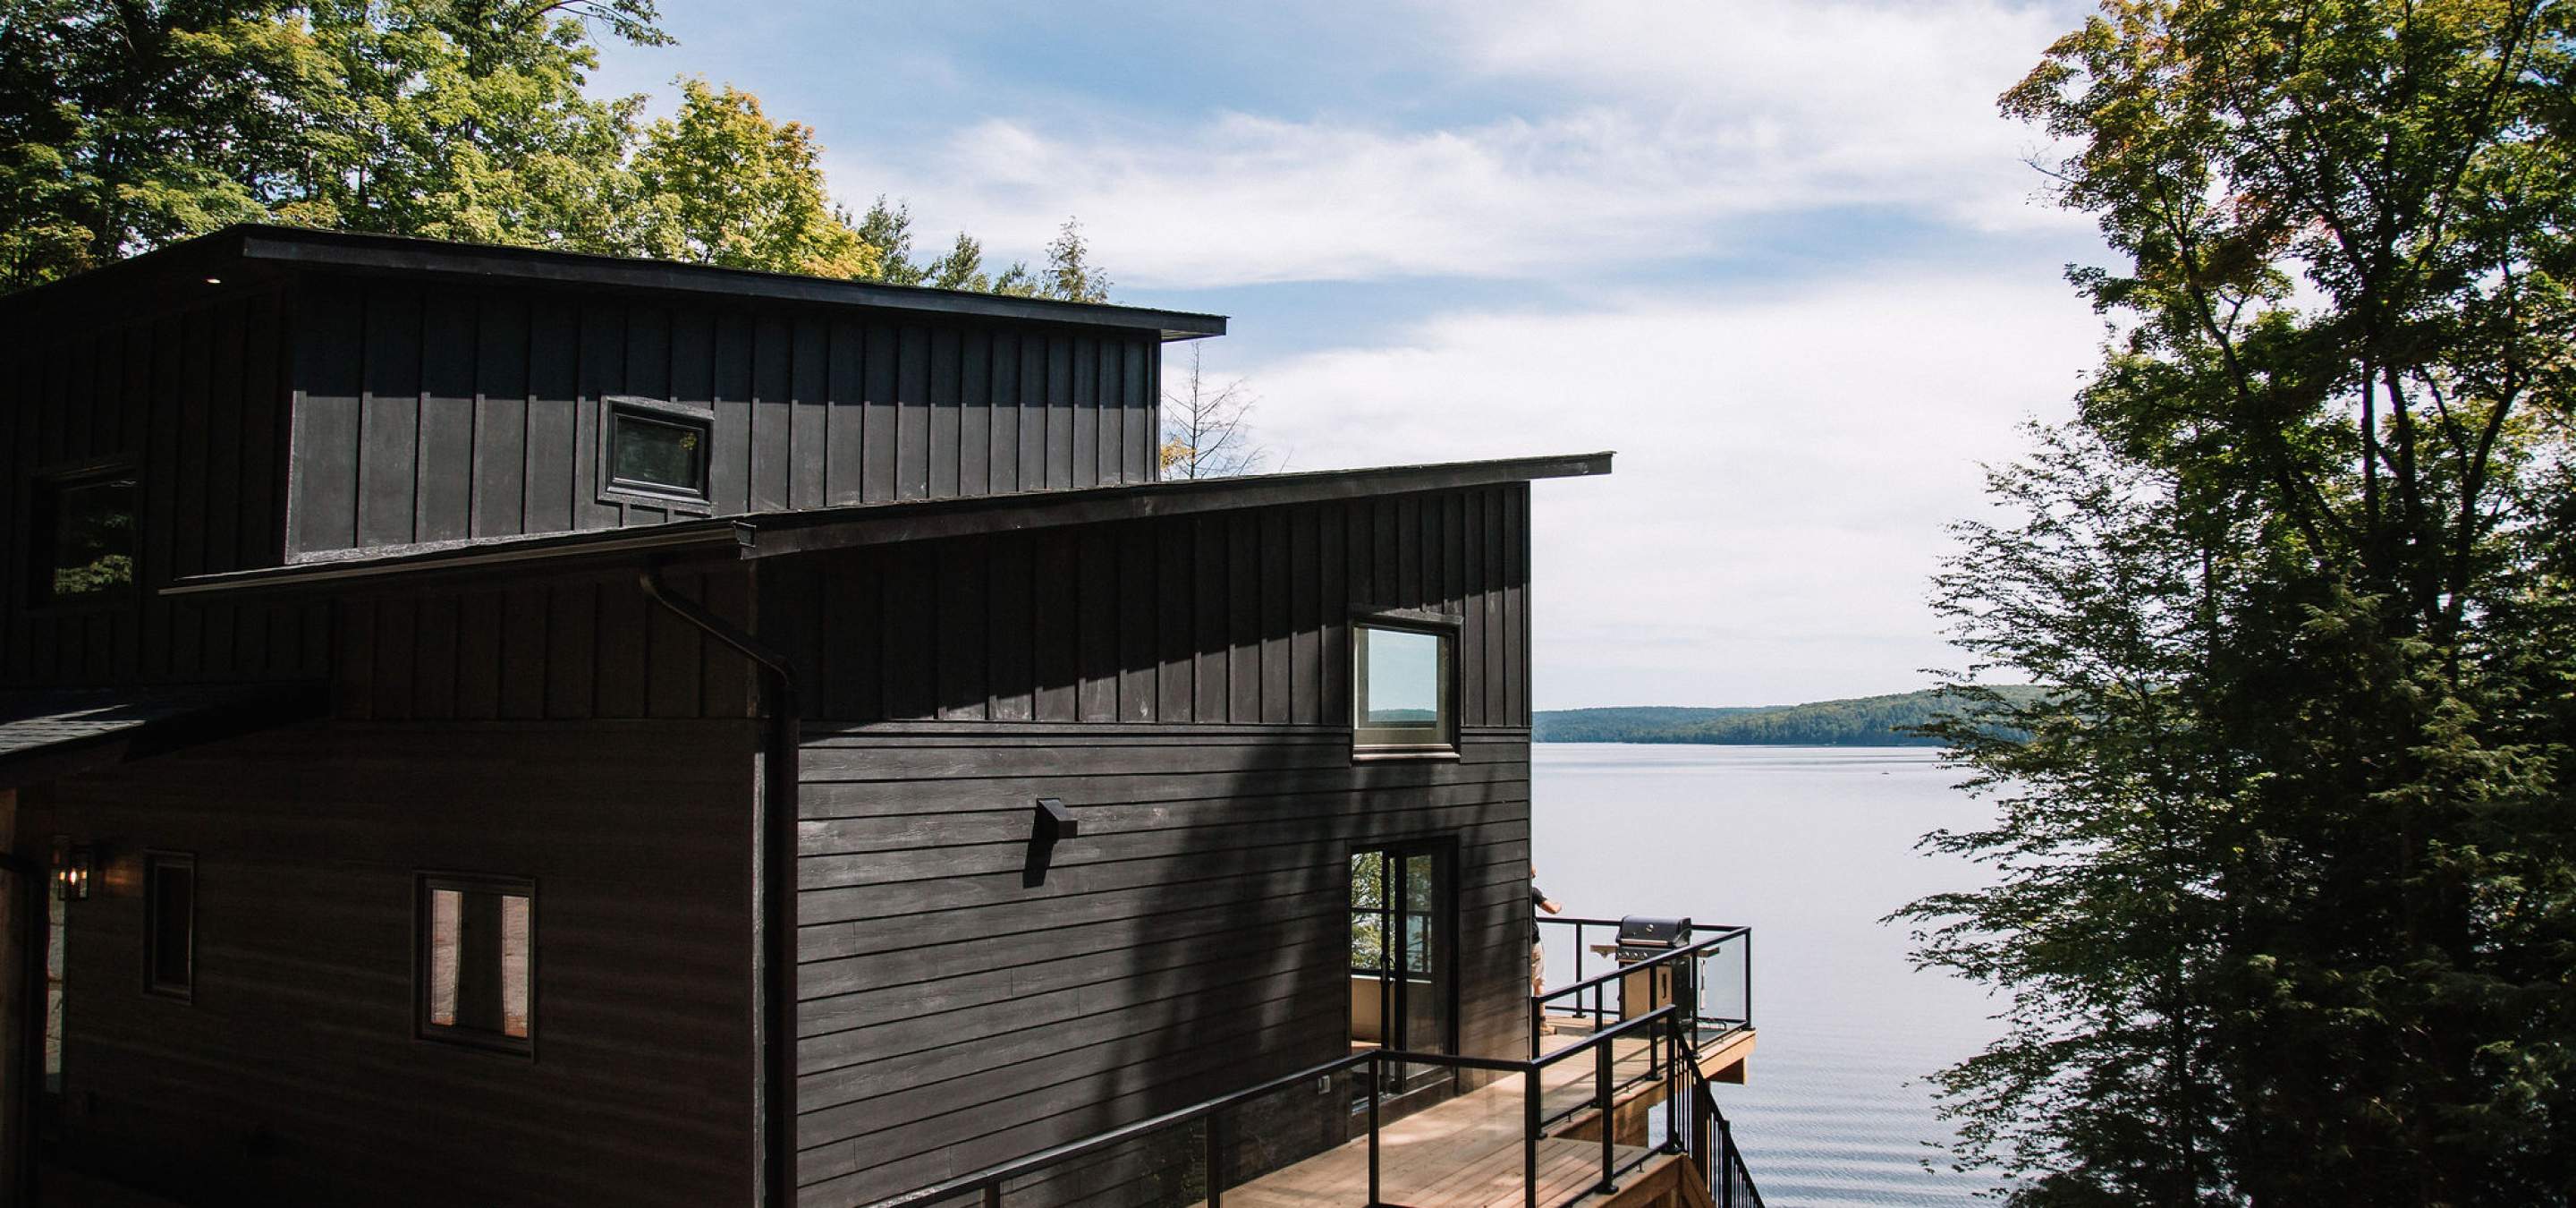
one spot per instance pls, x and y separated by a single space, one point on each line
478 961
170 924
1401 679
85 537
662 454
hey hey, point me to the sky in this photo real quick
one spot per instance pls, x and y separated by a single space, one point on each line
1783 256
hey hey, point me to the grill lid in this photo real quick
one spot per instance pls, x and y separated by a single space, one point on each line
1648 931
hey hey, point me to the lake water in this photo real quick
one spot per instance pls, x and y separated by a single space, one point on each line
1809 846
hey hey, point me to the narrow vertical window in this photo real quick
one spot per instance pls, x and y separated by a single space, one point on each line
478 957
1401 695
170 924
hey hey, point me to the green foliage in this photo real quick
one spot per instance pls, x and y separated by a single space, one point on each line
2287 851
1866 721
722 184
127 124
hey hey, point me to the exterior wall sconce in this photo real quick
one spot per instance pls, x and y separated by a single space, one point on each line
1053 822
73 867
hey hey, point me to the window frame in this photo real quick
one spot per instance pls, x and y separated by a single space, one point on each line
42 510
155 860
702 420
423 884
1444 627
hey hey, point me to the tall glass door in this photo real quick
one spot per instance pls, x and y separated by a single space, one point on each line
1404 919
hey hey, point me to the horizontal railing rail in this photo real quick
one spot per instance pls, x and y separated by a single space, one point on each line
1665 1030
1684 965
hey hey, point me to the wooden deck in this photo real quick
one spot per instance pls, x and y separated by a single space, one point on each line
1466 1152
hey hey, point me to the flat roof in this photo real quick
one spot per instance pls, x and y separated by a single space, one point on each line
771 534
276 248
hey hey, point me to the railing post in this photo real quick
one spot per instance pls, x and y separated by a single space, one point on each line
1373 1199
1529 1137
993 1194
1748 977
1726 1163
1214 1135
1677 1083
1601 1098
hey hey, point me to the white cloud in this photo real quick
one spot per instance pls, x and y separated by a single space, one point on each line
1786 466
1631 133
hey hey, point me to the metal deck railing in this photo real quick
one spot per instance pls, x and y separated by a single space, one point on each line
1234 1139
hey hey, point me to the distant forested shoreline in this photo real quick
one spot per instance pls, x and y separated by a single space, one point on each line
1862 721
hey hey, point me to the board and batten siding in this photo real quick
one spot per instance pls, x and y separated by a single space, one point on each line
191 395
1183 686
293 1075
541 646
428 412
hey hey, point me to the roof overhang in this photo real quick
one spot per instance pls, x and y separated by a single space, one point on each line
49 733
254 250
773 534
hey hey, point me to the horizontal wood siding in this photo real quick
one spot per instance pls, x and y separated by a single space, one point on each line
1191 941
294 1078
1182 685
192 396
1228 618
428 412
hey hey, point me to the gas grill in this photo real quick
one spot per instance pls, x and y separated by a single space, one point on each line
1644 936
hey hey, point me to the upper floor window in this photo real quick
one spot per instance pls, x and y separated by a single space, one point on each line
1402 687
84 536
658 451
478 942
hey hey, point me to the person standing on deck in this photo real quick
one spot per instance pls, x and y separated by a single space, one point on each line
1538 951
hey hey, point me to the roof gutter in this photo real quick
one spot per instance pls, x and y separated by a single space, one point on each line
774 878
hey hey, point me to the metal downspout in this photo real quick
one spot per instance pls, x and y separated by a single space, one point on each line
777 873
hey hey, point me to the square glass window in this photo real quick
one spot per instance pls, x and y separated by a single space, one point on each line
86 537
478 955
170 924
1402 696
658 455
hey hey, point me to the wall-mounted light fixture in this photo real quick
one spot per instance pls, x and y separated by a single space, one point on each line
1053 822
74 864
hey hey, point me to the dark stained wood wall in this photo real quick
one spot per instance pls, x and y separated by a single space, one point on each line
427 412
1183 686
561 646
293 1077
1238 617
192 394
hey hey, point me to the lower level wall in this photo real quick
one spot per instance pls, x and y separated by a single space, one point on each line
294 1075
965 1001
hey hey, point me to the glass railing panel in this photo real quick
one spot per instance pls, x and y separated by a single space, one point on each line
1454 1138
1290 1143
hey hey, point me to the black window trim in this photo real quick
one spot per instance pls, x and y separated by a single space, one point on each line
613 489
154 860
36 509
423 881
1442 625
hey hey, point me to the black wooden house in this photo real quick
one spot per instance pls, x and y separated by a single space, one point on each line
494 726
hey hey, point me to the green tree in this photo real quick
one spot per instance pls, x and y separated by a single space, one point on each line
722 184
124 125
2288 899
467 120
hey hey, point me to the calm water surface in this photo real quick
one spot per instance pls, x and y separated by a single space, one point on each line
1810 846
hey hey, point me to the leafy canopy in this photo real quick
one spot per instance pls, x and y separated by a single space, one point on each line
2287 854
127 124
